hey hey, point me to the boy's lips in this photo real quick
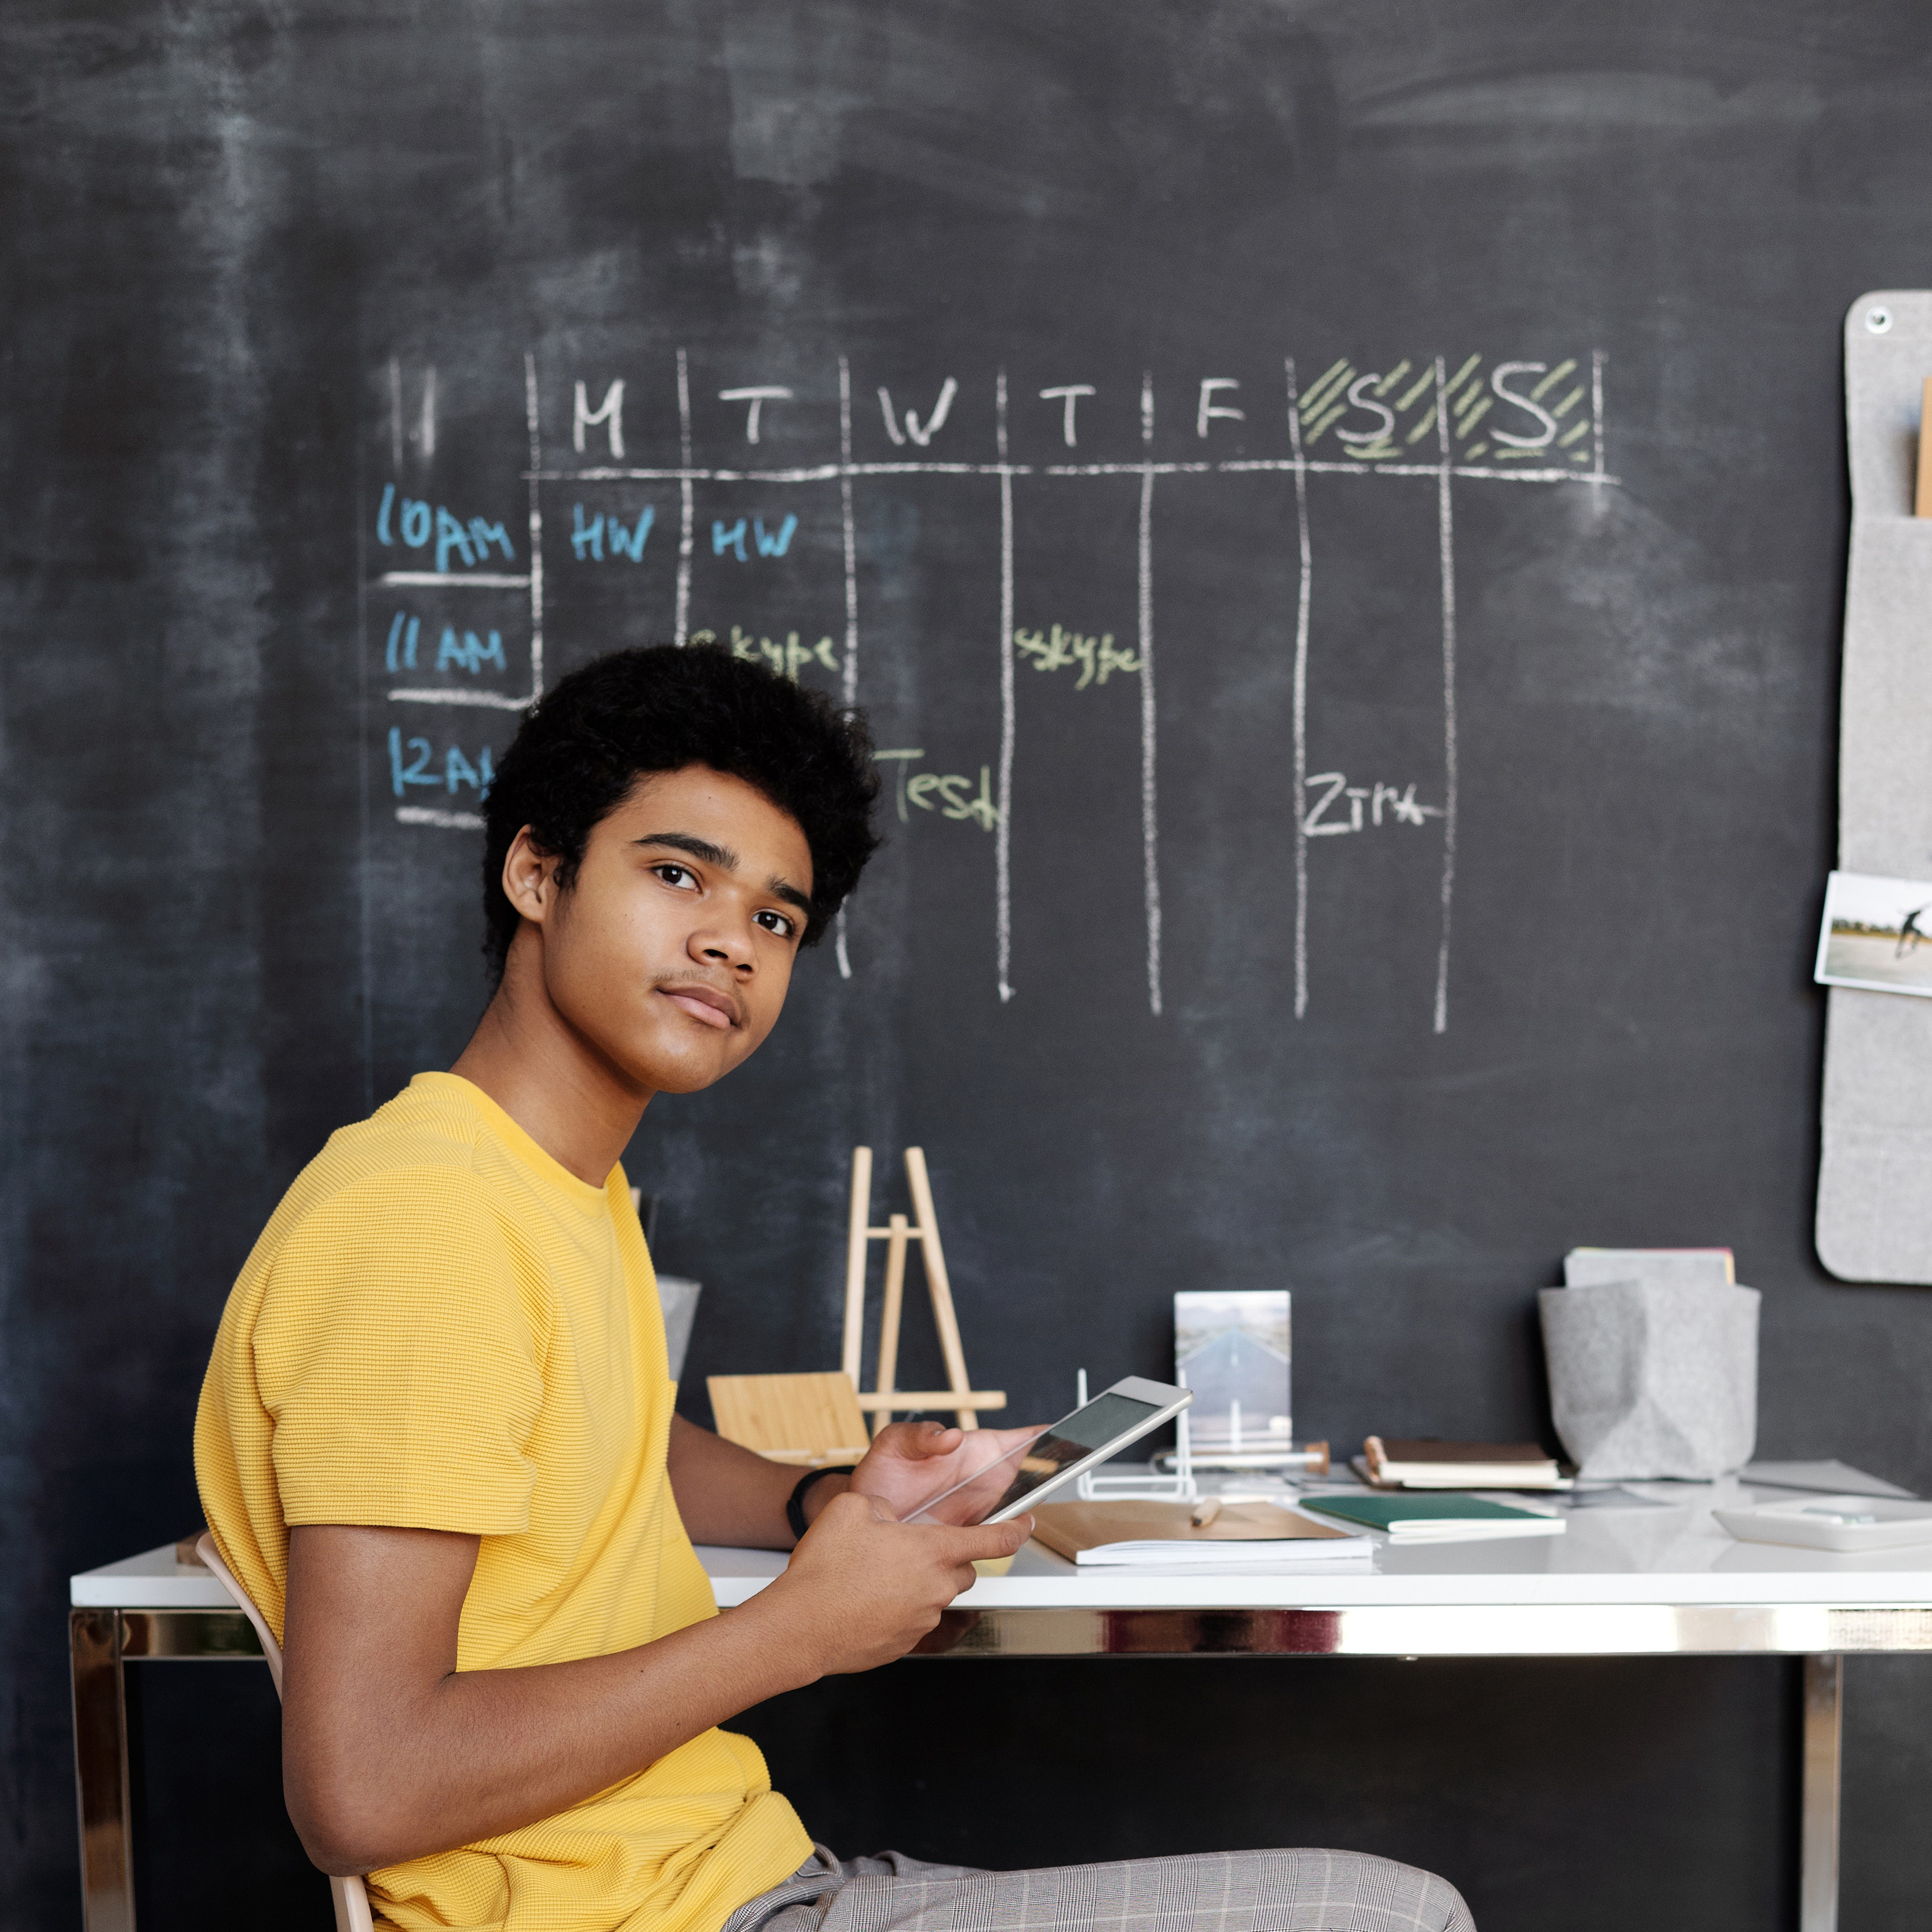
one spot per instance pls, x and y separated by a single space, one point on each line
711 1008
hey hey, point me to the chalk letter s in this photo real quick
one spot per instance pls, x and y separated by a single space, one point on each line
1543 415
1361 401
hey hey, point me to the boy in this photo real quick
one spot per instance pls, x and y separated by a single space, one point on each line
437 1446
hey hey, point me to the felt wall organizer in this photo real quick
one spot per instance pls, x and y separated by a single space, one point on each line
1874 1219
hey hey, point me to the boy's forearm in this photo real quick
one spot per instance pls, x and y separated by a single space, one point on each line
729 1495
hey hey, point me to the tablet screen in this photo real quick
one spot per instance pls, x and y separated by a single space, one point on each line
1032 1465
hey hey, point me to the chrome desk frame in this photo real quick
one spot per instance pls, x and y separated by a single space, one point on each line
105 1640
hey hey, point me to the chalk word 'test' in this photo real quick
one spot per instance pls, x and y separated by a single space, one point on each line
1366 805
586 540
419 523
412 762
951 792
471 655
1055 649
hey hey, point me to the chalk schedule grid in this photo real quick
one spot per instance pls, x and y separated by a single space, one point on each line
683 500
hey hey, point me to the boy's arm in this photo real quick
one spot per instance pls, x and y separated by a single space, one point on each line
729 1494
389 1753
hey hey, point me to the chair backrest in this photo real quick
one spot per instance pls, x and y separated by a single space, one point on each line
350 1898
211 1557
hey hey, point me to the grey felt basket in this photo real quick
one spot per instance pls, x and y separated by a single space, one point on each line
1653 1378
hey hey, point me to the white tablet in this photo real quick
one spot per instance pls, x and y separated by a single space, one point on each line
1029 1471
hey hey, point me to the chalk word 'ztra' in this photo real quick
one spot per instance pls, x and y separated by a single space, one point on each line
1366 805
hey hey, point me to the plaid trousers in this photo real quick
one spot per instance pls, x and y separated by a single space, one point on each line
1212 1892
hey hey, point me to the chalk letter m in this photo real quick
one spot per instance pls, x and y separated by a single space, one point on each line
611 413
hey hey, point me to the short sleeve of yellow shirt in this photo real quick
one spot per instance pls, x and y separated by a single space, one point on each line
443 1328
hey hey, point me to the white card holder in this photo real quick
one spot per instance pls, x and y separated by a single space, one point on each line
1845 1524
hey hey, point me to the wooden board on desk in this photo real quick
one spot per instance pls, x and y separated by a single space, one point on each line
804 1419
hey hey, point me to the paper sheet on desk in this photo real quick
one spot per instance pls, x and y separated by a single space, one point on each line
1831 1477
1344 1551
1363 1565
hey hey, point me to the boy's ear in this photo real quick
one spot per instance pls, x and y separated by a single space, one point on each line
530 876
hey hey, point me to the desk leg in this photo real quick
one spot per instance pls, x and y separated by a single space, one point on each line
100 1767
1818 1867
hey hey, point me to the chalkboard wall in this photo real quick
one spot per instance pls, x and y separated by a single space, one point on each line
1336 514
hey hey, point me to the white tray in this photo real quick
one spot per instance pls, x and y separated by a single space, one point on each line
1821 1523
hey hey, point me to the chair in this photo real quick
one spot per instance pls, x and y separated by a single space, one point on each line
352 1901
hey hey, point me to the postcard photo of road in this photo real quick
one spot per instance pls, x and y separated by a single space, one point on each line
1877 933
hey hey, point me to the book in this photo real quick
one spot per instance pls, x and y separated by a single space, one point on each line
1437 1518
1246 1536
1425 1463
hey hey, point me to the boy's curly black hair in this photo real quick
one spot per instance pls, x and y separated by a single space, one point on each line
657 708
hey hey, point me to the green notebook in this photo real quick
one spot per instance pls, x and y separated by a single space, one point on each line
1437 1517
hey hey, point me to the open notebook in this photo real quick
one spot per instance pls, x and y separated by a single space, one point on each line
1244 1536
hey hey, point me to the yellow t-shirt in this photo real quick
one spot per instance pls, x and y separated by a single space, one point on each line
443 1328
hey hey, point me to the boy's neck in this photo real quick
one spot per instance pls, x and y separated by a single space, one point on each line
564 1094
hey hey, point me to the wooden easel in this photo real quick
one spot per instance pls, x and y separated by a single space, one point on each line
898 1234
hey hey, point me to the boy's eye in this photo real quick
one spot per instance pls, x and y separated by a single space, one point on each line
674 874
777 922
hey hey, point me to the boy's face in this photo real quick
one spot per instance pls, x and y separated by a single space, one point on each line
670 953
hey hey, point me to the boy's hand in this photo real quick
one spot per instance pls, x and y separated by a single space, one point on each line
862 1588
911 1461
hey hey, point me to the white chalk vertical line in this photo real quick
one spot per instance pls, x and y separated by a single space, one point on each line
1003 833
533 425
396 415
366 870
1150 813
682 624
849 683
426 430
1301 700
1597 411
1445 527
844 958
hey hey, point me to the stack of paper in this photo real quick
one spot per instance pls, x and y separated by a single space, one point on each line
1243 1536
1693 1267
1437 1518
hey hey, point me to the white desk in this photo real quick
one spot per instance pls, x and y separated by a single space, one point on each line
1616 1584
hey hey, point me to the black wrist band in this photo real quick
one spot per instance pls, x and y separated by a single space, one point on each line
795 1502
